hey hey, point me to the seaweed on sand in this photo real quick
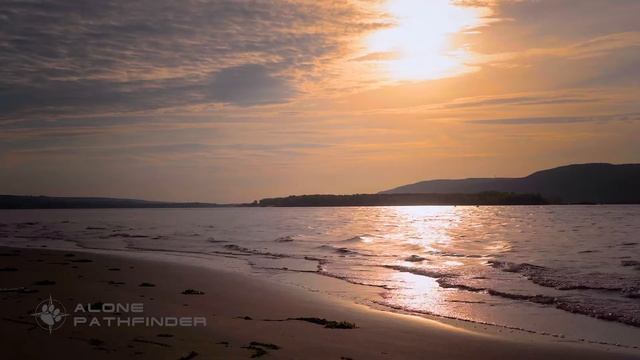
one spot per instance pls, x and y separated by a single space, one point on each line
329 324
192 292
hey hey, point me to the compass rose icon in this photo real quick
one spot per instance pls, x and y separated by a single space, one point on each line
50 314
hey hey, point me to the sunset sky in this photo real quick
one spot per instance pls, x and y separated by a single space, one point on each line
230 100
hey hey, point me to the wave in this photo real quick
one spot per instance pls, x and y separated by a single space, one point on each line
397 307
352 281
628 286
125 235
631 263
340 250
284 239
456 255
414 258
247 251
357 239
605 310
420 271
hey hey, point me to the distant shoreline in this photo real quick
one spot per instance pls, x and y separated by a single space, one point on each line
17 202
482 198
576 184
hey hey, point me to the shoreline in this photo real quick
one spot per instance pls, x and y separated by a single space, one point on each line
231 297
241 206
351 292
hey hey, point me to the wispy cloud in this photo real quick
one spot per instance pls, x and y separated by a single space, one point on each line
68 57
559 119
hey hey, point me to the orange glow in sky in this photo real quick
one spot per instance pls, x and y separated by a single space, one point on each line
232 101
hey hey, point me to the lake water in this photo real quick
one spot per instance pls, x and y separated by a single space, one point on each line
566 271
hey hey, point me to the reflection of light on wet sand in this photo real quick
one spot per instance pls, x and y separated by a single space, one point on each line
417 292
424 295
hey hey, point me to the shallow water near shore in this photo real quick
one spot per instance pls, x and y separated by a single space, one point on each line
572 272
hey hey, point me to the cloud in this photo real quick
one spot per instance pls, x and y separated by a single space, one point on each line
378 56
538 101
522 100
594 47
521 25
163 152
62 57
249 85
559 119
559 43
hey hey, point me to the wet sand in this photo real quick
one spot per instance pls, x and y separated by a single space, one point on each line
246 317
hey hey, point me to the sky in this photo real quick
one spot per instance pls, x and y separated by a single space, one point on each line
237 100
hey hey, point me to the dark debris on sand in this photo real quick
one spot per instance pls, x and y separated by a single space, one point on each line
19 290
151 342
96 343
258 348
329 324
192 292
82 261
189 356
265 345
44 282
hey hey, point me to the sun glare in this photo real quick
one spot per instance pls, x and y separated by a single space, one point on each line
419 46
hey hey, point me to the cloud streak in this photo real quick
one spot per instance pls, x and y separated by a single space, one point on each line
559 119
67 57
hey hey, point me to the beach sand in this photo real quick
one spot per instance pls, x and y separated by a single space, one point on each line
246 317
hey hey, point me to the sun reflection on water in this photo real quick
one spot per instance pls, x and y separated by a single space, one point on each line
425 226
439 241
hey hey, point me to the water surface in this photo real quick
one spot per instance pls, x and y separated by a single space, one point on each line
567 271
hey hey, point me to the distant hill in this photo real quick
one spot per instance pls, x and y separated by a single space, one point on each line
580 183
49 202
485 198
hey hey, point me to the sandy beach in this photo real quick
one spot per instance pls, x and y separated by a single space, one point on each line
296 179
245 317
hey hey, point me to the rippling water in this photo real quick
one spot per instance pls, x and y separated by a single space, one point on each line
570 271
